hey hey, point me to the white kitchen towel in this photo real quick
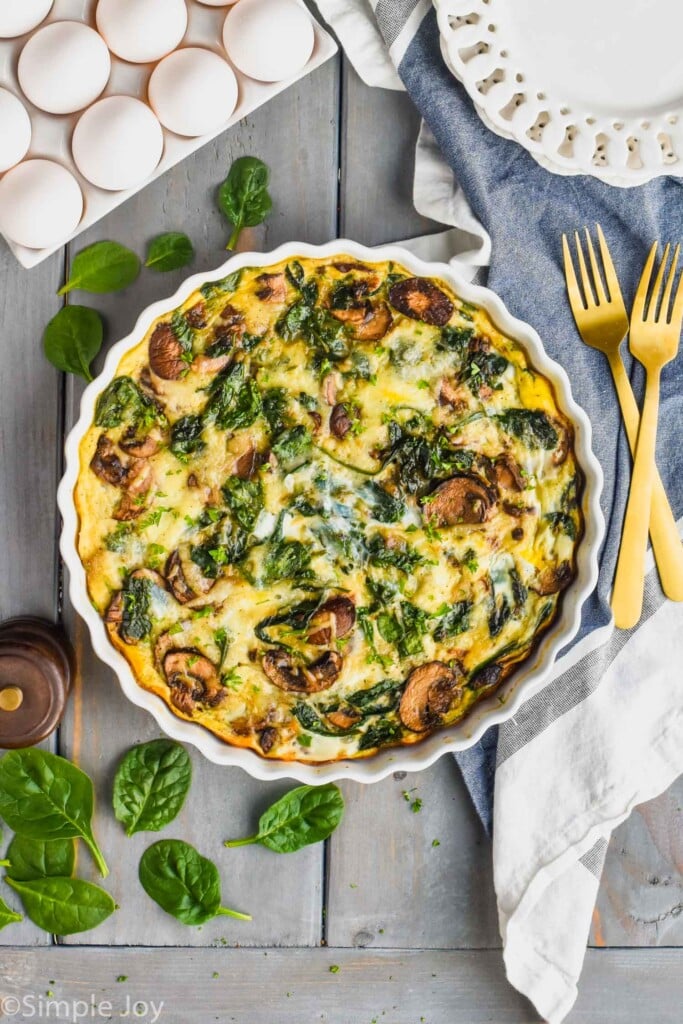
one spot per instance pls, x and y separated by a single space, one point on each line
606 733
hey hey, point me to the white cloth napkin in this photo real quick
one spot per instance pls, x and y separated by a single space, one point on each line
607 732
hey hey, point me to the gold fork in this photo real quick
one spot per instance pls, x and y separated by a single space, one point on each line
603 324
654 339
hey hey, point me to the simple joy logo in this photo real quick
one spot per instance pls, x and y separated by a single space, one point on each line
38 1007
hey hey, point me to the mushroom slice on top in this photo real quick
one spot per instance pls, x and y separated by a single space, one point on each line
430 692
166 353
247 465
486 678
193 680
273 287
106 464
340 421
142 447
420 299
196 316
333 620
553 579
564 443
507 473
135 498
460 500
367 322
177 571
280 668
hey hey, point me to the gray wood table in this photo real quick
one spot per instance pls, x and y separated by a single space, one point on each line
411 925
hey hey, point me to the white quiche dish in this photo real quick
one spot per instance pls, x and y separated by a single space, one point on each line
329 507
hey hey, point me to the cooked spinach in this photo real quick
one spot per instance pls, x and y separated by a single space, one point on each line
182 330
186 437
530 426
150 785
420 458
378 734
225 548
455 621
399 556
315 326
233 400
225 286
123 401
292 448
286 560
294 273
484 368
136 623
183 883
385 507
305 815
310 720
455 339
64 906
500 613
274 403
295 618
561 522
376 700
245 499
404 629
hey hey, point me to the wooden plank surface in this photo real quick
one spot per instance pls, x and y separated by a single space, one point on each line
296 134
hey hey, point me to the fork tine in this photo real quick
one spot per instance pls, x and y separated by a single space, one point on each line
666 297
677 311
653 304
608 267
597 277
643 285
583 270
573 290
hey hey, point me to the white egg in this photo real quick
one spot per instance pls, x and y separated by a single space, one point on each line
64 67
117 143
269 40
141 31
15 130
20 16
193 91
41 204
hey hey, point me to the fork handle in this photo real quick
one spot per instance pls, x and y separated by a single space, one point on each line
666 543
627 597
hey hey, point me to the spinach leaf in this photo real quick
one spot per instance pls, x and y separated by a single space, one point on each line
123 401
218 551
400 556
499 615
244 498
292 447
73 338
169 252
234 402
386 508
294 273
183 883
484 368
43 796
309 719
325 334
102 267
561 522
186 437
225 286
64 905
377 699
243 197
39 858
455 621
150 785
274 403
532 427
404 631
7 915
295 618
305 815
378 734
455 339
136 623
286 560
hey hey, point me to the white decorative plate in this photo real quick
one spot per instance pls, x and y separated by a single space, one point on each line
586 86
521 685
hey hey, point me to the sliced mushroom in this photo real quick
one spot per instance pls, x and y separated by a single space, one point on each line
210 364
154 577
420 299
451 393
193 680
267 738
247 465
196 316
553 579
507 473
564 443
323 673
166 353
134 501
341 421
114 613
106 464
460 500
332 621
346 266
344 718
486 678
175 578
316 420
367 322
231 315
430 691
142 447
330 388
273 287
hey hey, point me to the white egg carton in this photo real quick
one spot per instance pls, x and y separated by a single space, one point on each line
51 137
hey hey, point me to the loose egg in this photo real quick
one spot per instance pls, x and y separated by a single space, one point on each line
41 204
269 40
15 130
193 91
141 31
64 67
117 143
20 16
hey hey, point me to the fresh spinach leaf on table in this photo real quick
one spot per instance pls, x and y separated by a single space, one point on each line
170 251
73 338
150 785
102 267
305 815
64 906
243 197
7 915
28 859
44 796
183 883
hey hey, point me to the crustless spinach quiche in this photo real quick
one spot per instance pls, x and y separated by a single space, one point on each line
325 507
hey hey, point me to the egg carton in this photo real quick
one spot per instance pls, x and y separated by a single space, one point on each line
51 138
